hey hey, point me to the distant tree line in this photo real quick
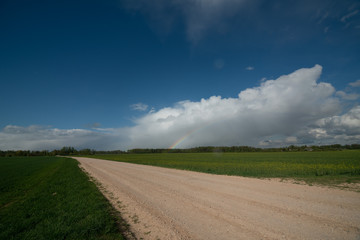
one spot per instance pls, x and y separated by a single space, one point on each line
65 151
69 151
292 148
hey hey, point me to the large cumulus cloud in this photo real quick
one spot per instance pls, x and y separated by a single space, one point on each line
293 109
279 108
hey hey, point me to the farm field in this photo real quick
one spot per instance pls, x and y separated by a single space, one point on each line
51 198
330 168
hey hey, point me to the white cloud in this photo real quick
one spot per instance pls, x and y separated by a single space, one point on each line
347 96
355 84
40 138
139 107
348 123
292 109
344 129
280 107
249 68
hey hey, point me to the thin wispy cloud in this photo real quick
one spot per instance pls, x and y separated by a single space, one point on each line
249 68
349 15
323 17
199 16
139 107
355 84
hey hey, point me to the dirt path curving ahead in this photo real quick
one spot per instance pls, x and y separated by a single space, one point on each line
161 203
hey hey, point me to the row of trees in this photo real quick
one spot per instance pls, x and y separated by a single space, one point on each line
292 148
66 151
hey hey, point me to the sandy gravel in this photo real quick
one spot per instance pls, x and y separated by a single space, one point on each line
162 203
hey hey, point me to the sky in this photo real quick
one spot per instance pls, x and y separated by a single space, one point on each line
123 74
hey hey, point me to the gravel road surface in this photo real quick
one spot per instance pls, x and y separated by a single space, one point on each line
161 203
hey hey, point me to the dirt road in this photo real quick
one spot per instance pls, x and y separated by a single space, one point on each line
162 203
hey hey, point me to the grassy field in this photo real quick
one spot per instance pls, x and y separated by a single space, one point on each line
313 167
51 198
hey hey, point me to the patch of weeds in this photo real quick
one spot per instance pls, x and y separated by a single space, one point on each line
135 218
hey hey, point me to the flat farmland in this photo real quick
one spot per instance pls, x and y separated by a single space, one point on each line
163 203
330 168
51 198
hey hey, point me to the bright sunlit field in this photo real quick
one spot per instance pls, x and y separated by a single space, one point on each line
332 166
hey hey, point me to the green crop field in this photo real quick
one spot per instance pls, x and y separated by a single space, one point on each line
312 167
51 198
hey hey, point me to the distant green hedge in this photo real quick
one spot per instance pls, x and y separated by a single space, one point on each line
67 151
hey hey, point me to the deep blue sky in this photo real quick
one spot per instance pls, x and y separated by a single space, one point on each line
71 64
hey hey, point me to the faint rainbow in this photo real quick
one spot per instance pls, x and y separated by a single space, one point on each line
189 133
180 140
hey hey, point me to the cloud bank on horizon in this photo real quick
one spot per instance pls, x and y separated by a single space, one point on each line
292 109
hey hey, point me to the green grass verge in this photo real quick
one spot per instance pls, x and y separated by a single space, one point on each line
313 167
51 198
